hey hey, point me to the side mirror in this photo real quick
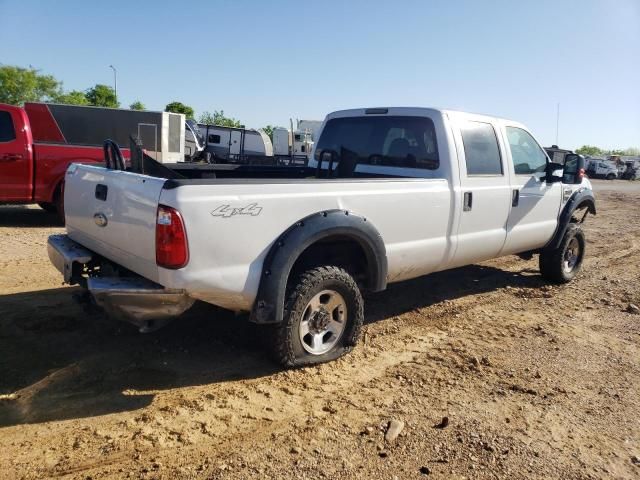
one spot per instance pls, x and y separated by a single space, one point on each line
553 167
573 169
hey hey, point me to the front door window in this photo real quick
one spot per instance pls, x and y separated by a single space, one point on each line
528 157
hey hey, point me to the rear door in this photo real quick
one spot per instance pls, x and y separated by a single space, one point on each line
484 188
114 213
536 203
16 162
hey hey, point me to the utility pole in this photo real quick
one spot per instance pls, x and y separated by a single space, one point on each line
557 122
115 81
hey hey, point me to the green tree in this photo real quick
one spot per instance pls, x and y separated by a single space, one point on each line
178 107
589 150
137 105
19 85
269 131
102 96
206 118
218 118
73 97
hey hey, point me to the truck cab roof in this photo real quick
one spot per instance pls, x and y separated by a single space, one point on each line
419 111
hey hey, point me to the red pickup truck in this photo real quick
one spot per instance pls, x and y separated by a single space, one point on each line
35 153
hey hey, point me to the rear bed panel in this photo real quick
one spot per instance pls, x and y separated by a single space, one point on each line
128 237
231 225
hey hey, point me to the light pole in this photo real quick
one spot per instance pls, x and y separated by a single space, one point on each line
557 122
115 82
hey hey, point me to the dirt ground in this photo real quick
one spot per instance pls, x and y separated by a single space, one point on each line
494 373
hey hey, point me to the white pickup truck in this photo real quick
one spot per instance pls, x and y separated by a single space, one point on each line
390 194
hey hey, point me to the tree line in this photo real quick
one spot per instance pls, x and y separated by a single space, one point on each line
19 85
593 151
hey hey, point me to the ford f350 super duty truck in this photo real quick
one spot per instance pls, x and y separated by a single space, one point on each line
390 194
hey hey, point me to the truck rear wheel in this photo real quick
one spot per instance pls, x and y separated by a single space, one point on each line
59 202
611 176
323 316
562 264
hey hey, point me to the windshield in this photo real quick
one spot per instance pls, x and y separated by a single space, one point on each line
394 141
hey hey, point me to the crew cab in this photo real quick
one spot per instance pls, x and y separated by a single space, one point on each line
390 194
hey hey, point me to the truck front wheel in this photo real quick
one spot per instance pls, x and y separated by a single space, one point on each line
562 264
323 316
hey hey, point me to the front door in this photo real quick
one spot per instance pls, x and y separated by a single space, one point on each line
16 167
235 141
536 203
484 190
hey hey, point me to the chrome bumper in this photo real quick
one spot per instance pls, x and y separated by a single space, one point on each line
138 301
64 253
134 299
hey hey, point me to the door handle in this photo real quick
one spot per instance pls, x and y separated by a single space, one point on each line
515 198
10 157
467 202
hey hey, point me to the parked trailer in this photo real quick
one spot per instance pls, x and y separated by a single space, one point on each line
233 144
161 133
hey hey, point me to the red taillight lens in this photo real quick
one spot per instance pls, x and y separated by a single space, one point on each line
171 239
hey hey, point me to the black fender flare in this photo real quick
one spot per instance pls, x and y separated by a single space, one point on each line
269 304
582 198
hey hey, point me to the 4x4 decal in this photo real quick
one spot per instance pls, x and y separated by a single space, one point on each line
227 211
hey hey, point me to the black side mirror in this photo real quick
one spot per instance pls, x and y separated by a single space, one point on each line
551 168
573 169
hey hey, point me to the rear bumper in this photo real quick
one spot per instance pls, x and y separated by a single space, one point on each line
132 298
67 255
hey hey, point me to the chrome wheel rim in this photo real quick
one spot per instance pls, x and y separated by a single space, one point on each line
571 255
323 321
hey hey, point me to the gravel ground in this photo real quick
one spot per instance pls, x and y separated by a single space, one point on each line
480 372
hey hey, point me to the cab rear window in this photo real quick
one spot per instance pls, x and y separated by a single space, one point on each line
392 141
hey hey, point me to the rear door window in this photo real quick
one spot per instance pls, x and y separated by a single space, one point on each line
393 141
481 149
7 131
528 157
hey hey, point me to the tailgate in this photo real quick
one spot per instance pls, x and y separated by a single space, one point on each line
113 213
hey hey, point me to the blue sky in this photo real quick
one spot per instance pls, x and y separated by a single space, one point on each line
264 62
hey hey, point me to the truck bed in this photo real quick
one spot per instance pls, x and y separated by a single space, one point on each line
254 205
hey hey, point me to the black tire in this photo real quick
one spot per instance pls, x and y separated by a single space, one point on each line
284 339
47 207
611 176
562 264
59 203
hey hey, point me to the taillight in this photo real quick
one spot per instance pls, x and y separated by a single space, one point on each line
171 239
